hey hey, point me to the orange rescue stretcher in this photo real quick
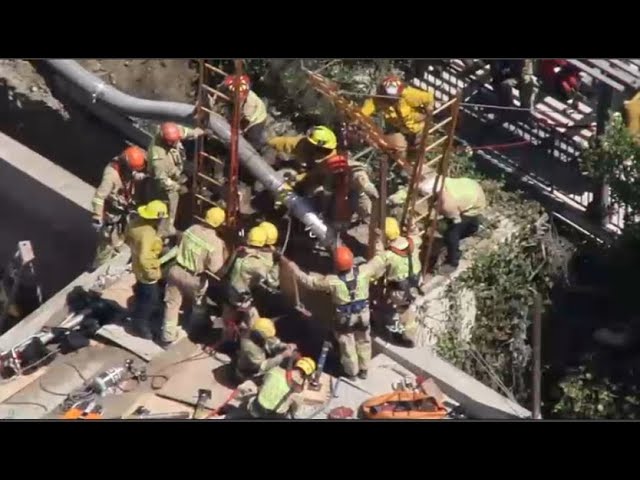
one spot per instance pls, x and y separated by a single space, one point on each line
404 405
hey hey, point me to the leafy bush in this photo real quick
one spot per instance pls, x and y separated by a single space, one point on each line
616 157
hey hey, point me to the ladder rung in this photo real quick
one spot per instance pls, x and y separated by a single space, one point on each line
212 158
423 199
435 160
417 219
215 92
435 144
209 179
442 107
205 199
440 125
215 69
206 109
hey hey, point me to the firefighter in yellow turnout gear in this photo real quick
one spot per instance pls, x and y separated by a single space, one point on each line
318 144
402 267
167 157
200 249
146 246
349 290
405 116
114 199
260 350
462 206
250 268
280 395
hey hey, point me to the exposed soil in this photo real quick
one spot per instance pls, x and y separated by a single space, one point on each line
155 79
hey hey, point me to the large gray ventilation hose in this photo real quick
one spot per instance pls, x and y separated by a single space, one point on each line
183 113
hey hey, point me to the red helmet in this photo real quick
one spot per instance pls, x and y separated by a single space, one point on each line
243 82
337 163
170 133
134 156
392 85
343 259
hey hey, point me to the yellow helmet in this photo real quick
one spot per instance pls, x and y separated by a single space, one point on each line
154 210
307 365
272 232
215 217
391 228
257 237
322 136
265 326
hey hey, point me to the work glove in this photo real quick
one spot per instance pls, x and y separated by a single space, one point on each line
138 176
96 223
372 192
183 189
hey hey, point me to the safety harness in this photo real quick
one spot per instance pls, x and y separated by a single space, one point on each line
354 306
412 281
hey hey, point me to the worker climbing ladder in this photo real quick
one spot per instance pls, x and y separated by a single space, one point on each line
449 111
205 162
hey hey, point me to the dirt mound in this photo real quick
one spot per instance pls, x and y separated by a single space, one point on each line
155 79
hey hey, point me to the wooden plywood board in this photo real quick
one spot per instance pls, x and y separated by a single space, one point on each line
206 373
14 386
121 291
321 396
145 349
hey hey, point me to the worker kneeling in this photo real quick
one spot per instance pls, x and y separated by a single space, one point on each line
462 204
251 267
402 266
146 246
281 392
200 250
260 351
349 290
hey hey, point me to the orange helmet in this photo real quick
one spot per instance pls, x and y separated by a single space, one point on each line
343 259
134 156
243 82
170 133
392 85
337 163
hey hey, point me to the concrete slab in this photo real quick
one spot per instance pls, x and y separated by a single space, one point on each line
55 306
475 398
67 374
14 385
117 333
201 373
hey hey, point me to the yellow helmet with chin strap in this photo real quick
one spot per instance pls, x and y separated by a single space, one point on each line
272 232
154 210
322 136
257 237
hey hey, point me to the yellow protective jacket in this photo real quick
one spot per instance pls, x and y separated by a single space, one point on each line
394 261
146 246
462 196
333 285
251 266
166 164
298 148
276 395
254 360
407 114
113 196
254 111
200 249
